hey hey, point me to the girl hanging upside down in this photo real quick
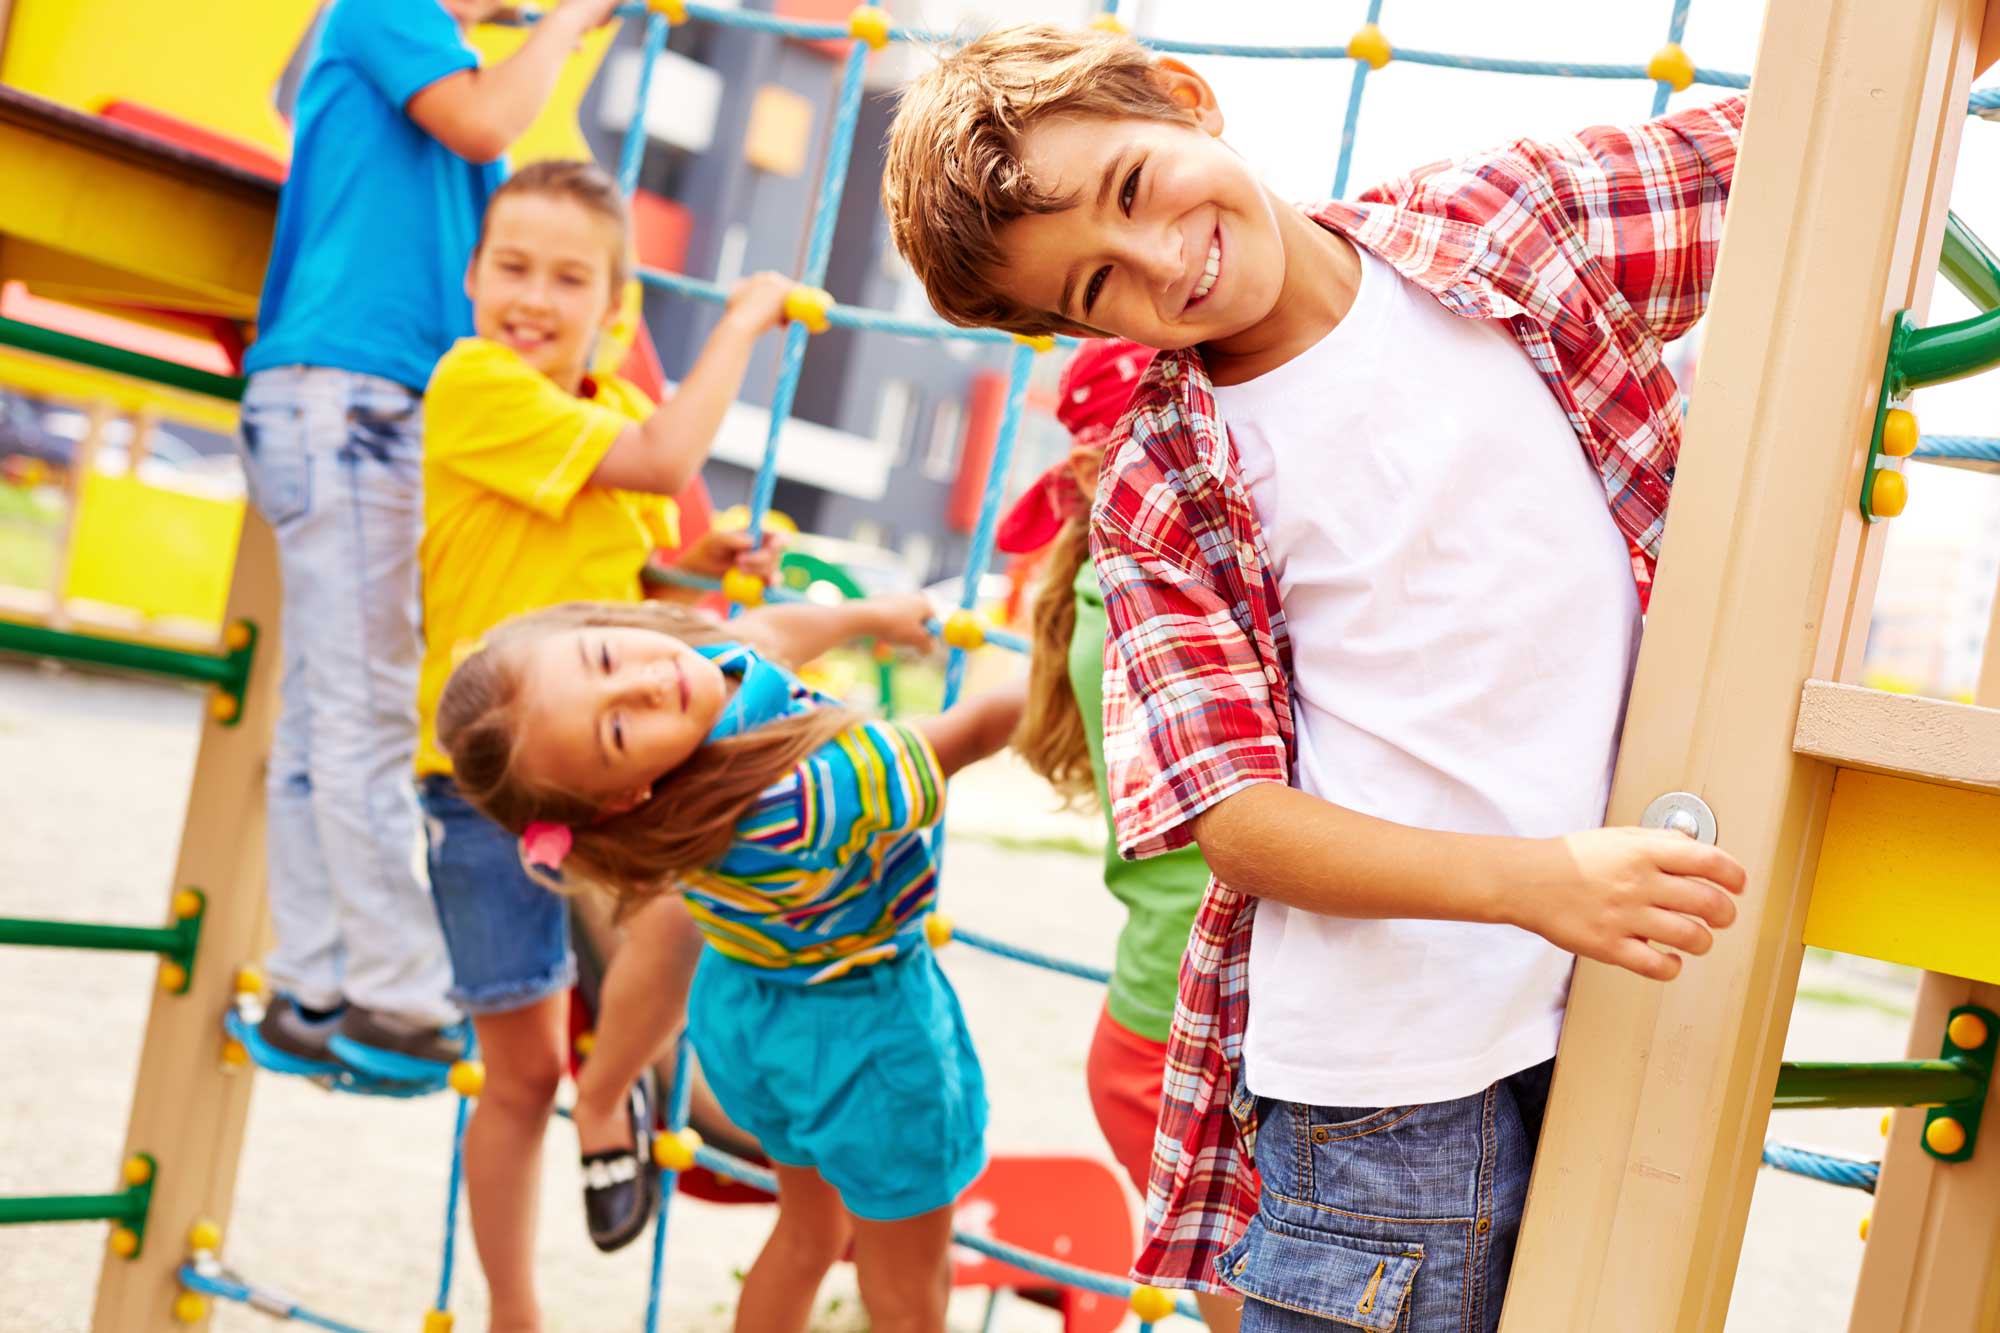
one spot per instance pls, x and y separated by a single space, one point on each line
645 750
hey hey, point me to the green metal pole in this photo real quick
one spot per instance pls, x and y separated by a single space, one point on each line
1892 1083
127 1207
83 351
208 668
87 935
1943 352
1969 265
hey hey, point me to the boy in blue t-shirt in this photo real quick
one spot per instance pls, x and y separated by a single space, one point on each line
398 144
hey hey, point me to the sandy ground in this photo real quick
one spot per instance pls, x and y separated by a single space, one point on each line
340 1199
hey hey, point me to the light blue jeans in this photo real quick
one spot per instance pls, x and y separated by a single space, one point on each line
1397 1219
334 461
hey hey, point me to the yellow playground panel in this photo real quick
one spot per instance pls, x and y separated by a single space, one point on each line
163 553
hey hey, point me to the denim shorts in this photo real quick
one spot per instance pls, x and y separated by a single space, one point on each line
508 937
870 1079
1399 1219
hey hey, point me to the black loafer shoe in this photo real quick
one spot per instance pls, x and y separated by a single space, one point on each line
621 1188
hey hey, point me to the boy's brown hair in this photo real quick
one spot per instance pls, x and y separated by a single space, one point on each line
583 183
954 177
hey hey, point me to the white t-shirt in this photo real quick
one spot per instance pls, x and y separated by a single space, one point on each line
1464 623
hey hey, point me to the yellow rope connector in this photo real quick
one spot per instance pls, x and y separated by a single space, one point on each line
437 1321
248 981
809 306
963 630
675 1152
674 11
1945 1136
1670 65
937 930
1967 1031
1108 22
237 637
138 1170
1369 44
871 25
467 1077
1899 432
204 1235
1151 1304
743 588
1041 342
190 1307
124 1242
186 905
1891 493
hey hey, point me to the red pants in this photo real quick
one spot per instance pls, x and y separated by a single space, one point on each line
1124 1073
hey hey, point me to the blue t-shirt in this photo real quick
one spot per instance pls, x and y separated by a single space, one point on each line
378 219
830 868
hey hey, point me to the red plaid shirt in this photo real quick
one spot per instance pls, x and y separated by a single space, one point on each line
1597 250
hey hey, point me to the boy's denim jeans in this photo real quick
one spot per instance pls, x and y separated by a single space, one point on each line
334 461
1398 1219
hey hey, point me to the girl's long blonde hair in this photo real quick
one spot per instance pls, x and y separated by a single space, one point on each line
1051 735
690 818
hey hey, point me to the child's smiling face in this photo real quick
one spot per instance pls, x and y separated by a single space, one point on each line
541 281
606 711
1171 240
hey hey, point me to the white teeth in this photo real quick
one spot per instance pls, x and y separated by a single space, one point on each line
1206 283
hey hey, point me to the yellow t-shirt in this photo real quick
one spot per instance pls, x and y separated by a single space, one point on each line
510 521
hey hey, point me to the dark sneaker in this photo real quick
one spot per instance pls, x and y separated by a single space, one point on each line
288 1041
620 1187
397 1050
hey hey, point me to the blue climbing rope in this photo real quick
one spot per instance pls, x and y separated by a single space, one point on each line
1676 29
451 1202
224 1287
1832 1168
1960 448
1353 118
1032 957
633 150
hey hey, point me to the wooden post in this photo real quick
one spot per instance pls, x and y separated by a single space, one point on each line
186 1111
1636 1212
1933 1258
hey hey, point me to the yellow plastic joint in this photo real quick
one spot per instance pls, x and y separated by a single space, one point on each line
1864 1225
1370 44
871 25
1945 1136
137 1170
235 1055
674 11
248 981
586 1042
190 1307
1899 432
1889 495
222 707
467 1077
1967 1031
173 977
809 306
437 1321
237 637
1151 1304
937 930
675 1152
1108 22
743 588
204 1235
1670 65
963 630
1041 342
124 1242
186 905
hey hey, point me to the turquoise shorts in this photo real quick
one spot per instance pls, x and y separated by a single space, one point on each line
869 1079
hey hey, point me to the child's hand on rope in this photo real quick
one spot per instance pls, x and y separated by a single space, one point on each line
715 553
1611 894
902 619
757 303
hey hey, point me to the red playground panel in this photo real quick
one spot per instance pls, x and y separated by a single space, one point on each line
1071 1209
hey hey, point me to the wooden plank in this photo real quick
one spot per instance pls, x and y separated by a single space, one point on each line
1637 1207
1909 872
1931 740
185 1110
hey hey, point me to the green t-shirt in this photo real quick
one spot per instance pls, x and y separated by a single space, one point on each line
1161 894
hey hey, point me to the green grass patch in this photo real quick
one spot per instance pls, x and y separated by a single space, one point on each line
1065 844
1835 998
27 554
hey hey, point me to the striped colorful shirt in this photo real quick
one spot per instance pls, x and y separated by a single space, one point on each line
830 869
1596 250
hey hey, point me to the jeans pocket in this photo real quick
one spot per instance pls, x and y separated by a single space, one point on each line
1350 1280
275 460
385 425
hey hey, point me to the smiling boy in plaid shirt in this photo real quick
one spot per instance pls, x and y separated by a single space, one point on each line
1370 644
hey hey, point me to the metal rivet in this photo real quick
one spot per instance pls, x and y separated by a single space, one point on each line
1684 813
1320 1135
1485 1225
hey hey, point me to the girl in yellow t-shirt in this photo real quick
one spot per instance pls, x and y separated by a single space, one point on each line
544 483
